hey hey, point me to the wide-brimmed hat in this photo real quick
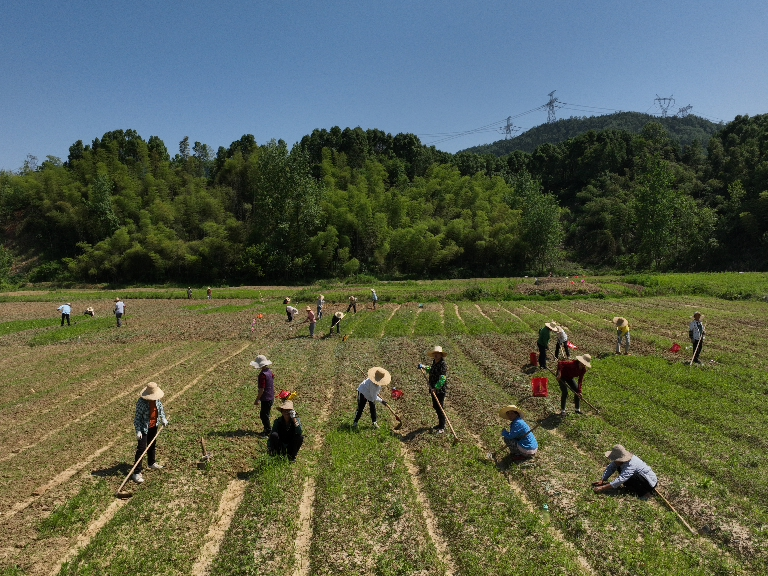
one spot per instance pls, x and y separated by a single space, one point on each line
619 321
585 359
504 412
152 392
436 350
372 290
309 309
287 405
697 314
551 325
260 361
619 454
379 376
89 309
352 298
287 301
322 297
339 315
117 299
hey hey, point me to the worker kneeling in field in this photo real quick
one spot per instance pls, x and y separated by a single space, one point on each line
287 436
635 476
519 438
149 411
567 372
368 392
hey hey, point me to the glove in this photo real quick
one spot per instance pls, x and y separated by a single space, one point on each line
420 366
138 435
165 423
292 414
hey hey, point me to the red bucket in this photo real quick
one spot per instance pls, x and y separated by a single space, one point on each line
539 386
675 348
533 359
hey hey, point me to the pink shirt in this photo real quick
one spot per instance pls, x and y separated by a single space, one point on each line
311 317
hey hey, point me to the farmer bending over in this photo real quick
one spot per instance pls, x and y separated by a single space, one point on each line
336 321
567 372
634 475
562 341
287 436
622 333
519 439
368 392
352 304
149 411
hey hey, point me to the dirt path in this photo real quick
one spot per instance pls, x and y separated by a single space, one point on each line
484 315
384 324
456 308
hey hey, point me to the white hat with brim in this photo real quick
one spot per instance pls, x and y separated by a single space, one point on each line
619 321
437 350
339 315
619 454
260 361
287 405
379 376
507 410
585 359
152 392
552 326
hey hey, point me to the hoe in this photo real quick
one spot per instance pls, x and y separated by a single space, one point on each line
124 494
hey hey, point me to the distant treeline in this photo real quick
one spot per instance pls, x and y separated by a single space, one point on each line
354 201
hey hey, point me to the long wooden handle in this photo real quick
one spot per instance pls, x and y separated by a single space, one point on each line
656 490
443 413
139 459
579 394
393 412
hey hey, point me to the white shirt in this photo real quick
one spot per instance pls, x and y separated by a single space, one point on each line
370 390
64 309
694 327
562 337
120 307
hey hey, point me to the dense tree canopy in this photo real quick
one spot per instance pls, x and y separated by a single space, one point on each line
341 202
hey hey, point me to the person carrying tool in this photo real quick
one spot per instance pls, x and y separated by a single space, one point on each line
438 384
374 297
189 293
149 411
90 311
266 395
519 438
119 311
695 333
320 304
543 342
336 321
562 342
312 322
622 333
352 304
66 310
634 475
368 392
567 372
290 311
287 435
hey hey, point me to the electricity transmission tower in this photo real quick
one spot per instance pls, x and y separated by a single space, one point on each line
664 104
684 111
509 129
551 107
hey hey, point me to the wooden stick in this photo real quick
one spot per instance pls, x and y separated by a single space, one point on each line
119 490
440 406
578 394
656 490
698 346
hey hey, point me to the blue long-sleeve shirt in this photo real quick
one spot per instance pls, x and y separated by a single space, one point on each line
521 433
634 466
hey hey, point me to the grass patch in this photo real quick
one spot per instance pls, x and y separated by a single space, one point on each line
21 325
77 329
77 512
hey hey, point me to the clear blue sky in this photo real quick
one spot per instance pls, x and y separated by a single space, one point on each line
214 71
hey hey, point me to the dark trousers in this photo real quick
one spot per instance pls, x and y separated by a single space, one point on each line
352 306
119 317
565 349
697 346
361 400
142 445
439 408
64 317
637 485
542 356
564 386
337 324
319 312
285 446
290 316
266 408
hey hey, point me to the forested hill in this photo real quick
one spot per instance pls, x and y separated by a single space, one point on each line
682 130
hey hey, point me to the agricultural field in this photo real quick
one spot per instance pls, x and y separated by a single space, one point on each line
387 501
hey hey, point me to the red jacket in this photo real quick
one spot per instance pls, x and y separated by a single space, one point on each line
570 370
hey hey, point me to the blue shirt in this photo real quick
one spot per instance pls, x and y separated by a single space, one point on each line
634 466
64 309
521 433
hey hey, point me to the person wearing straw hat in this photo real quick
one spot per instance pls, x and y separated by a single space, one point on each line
189 293
562 342
368 392
622 333
149 411
336 321
634 475
266 395
287 434
374 297
290 311
312 321
543 342
320 304
119 311
66 310
567 373
208 292
696 335
519 439
352 304
438 383
90 311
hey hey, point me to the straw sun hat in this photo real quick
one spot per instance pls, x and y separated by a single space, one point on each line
552 326
379 376
437 350
152 392
619 321
585 359
339 315
698 314
619 454
287 405
505 412
260 361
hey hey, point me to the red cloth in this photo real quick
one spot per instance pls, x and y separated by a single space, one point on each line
152 414
570 370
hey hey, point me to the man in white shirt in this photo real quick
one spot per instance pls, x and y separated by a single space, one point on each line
119 311
66 310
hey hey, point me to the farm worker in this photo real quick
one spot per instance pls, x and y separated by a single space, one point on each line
287 436
320 304
336 321
634 474
66 310
208 292
438 385
543 342
352 304
149 411
290 311
189 293
695 333
119 311
368 392
519 438
90 312
567 372
622 332
375 298
266 395
312 322
562 341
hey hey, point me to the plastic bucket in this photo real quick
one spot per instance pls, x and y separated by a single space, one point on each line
540 387
533 359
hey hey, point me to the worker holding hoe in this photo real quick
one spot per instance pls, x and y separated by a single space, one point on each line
696 334
320 304
374 297
368 392
562 342
266 395
543 342
622 333
312 321
352 304
119 311
336 321
519 438
567 373
149 412
634 475
287 434
438 384
290 311
66 310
